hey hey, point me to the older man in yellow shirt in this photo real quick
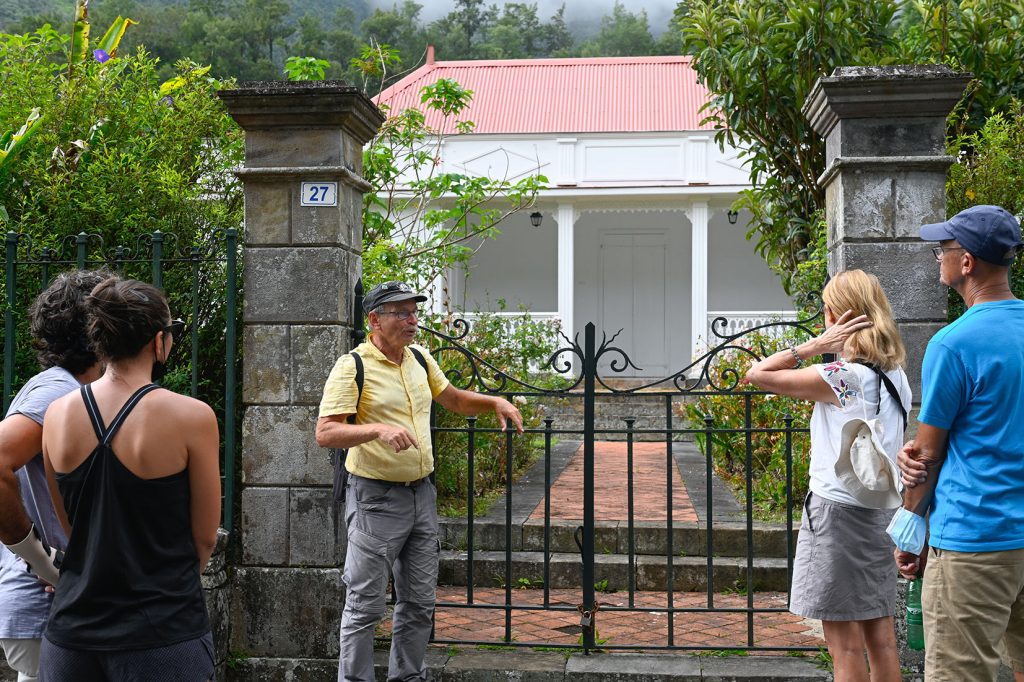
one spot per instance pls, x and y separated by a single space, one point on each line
391 503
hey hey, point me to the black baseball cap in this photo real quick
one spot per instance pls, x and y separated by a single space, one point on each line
390 292
986 232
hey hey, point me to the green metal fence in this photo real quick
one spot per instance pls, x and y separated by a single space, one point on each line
201 281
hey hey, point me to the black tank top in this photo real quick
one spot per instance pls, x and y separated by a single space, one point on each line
130 577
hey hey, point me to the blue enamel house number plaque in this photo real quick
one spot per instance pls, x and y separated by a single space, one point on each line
319 194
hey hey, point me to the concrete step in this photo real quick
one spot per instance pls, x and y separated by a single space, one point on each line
651 573
463 664
729 538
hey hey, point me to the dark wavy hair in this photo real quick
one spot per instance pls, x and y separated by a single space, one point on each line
58 319
124 314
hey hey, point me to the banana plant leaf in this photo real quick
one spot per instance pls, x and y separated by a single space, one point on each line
112 38
11 142
79 35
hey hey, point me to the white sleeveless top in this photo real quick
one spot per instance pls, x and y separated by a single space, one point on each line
857 388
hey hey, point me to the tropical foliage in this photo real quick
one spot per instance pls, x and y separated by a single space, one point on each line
249 39
780 443
102 153
760 60
990 170
100 144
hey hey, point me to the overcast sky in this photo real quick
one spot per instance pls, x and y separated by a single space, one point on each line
576 11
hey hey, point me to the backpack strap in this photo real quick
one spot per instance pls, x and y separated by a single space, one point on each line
420 359
360 377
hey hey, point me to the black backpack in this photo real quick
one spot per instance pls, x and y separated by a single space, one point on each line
338 455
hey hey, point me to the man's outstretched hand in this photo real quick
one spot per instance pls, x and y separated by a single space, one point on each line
507 412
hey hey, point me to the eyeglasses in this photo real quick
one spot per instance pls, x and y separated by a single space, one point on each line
938 250
401 314
176 328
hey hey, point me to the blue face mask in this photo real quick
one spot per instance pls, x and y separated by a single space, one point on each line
908 531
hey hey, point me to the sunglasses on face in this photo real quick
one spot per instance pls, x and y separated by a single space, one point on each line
176 329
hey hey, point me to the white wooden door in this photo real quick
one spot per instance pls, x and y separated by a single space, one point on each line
633 298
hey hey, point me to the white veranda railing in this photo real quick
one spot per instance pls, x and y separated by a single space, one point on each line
738 321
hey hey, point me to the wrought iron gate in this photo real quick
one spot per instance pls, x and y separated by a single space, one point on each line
579 360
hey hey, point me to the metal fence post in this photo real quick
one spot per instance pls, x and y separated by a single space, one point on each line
11 285
231 315
194 322
81 242
587 548
158 257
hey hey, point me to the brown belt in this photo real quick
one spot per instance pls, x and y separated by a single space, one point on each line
403 484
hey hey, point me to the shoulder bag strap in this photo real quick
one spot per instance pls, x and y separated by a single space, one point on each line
883 378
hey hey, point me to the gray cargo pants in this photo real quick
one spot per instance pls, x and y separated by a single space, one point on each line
391 529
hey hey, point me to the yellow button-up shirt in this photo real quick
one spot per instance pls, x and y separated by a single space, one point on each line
397 395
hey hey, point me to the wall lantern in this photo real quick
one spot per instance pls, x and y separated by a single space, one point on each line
733 217
536 218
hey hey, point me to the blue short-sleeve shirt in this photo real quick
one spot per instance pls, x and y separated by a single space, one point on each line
973 386
24 605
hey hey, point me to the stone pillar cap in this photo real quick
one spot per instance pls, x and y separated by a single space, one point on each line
914 90
266 105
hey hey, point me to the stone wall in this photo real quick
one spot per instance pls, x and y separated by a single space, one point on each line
885 176
300 265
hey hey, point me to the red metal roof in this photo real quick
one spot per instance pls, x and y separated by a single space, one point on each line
599 95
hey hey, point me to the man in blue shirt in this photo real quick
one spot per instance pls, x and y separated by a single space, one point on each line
965 468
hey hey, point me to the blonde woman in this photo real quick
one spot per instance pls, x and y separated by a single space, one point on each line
843 573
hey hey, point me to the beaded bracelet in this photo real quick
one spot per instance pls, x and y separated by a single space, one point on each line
796 356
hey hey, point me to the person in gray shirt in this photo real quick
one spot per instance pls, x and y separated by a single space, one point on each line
30 528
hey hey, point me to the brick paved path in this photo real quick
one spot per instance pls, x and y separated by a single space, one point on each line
610 479
622 628
562 628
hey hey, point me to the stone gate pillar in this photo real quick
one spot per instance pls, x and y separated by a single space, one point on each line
303 236
885 176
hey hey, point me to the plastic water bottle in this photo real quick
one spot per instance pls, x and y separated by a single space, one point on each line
915 623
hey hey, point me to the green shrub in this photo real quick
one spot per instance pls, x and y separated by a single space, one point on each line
517 346
727 409
989 170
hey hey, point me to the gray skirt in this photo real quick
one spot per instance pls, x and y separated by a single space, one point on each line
844 567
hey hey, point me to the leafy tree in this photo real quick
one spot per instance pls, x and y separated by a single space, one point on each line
419 222
622 34
116 152
990 170
398 27
979 36
516 34
759 61
555 35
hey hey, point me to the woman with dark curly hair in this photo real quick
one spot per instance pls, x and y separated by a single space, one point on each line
29 524
138 473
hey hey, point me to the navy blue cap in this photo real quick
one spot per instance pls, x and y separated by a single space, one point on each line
390 292
986 232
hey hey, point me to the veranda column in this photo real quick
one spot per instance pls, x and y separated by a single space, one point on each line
303 231
698 274
566 218
885 175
